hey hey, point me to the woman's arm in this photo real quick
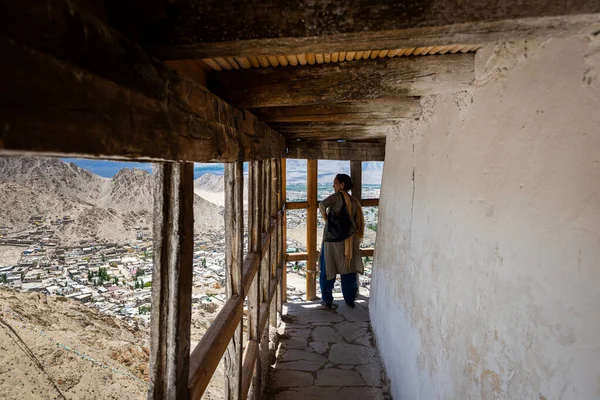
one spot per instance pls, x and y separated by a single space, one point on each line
327 203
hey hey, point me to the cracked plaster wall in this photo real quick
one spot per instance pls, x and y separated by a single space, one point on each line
486 281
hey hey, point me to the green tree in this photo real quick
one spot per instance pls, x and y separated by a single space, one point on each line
115 280
3 278
204 263
145 309
137 284
139 272
148 284
90 275
114 264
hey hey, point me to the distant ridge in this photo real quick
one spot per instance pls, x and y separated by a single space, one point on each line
109 208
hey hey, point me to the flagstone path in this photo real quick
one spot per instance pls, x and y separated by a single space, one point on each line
325 353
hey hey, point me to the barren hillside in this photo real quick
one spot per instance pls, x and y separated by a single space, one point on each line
111 209
50 347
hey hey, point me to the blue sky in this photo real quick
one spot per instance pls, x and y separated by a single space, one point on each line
108 169
296 169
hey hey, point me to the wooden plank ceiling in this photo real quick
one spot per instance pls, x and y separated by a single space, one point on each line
322 70
350 96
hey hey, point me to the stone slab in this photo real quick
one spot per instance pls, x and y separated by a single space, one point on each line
294 343
326 334
349 331
294 332
338 377
287 378
308 366
319 347
309 393
358 313
343 353
309 313
298 355
371 373
359 393
365 340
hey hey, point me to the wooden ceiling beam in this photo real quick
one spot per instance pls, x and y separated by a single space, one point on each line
69 84
348 112
333 150
213 28
335 83
336 132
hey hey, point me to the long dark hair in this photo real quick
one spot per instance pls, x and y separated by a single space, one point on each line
346 180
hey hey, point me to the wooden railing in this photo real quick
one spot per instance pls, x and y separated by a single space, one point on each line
256 277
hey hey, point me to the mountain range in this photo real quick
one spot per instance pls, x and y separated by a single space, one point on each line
296 169
113 209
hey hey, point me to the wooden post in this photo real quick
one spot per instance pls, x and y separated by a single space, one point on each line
172 280
356 175
274 238
311 230
284 230
265 278
234 261
255 192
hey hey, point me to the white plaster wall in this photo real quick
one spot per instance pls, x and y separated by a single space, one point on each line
487 268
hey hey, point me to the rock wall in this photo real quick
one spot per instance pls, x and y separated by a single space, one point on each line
487 267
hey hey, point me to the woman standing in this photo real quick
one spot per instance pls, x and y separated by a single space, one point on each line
340 251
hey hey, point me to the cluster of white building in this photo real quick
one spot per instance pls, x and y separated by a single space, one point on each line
115 279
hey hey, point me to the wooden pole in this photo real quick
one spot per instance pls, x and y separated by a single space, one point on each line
172 280
311 230
274 238
234 260
255 191
265 278
356 175
284 229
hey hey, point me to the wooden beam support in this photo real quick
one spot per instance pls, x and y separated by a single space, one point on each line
265 281
284 228
255 220
250 356
234 260
343 113
357 133
200 28
329 150
356 175
303 256
296 205
273 306
311 230
369 202
334 83
98 94
172 280
303 205
206 356
368 252
298 256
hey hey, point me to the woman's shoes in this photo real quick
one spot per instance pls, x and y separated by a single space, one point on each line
331 306
350 305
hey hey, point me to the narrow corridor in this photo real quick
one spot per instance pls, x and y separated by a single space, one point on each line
325 354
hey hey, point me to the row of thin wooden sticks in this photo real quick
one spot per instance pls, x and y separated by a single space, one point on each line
232 63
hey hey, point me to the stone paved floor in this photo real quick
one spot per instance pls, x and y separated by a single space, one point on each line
325 353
